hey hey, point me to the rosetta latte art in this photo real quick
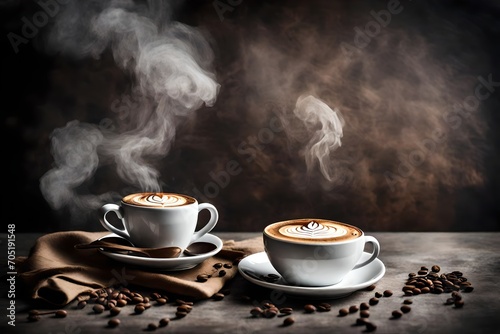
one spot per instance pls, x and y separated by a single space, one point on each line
313 230
157 200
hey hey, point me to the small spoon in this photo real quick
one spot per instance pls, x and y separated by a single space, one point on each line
164 252
120 245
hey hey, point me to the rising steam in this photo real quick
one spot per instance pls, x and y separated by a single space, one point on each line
170 63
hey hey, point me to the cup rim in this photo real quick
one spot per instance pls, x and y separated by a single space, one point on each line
159 207
315 243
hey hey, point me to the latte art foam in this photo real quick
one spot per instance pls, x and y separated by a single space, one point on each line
309 230
158 200
313 230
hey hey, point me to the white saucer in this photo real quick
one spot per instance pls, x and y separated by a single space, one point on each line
168 264
257 265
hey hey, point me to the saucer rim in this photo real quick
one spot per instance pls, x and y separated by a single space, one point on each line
172 261
302 290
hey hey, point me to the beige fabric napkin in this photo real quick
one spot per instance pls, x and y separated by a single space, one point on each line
57 273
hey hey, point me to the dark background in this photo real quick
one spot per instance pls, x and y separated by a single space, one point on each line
393 94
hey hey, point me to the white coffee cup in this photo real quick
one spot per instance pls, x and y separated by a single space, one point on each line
159 219
316 252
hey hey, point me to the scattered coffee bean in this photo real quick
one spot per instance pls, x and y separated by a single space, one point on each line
115 311
114 322
449 301
256 311
139 308
378 294
459 303
364 306
405 308
397 314
228 265
324 307
180 314
361 321
81 304
161 301
353 309
184 308
218 296
152 327
370 327
371 287
202 278
364 314
373 301
286 310
343 312
121 303
218 265
222 273
309 308
98 308
164 322
407 301
288 321
270 312
387 293
435 268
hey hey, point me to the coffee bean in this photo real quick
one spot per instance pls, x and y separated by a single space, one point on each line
256 311
81 304
373 301
353 309
364 314
218 296
161 301
202 278
405 308
121 303
288 321
218 265
468 289
155 295
370 327
222 273
438 290
270 312
371 287
435 268
416 291
184 308
387 293
60 314
139 308
449 301
459 303
309 308
361 321
152 327
456 295
343 312
425 289
324 307
98 308
114 322
286 310
137 300
164 322
407 301
180 314
228 265
422 272
397 314
364 306
115 311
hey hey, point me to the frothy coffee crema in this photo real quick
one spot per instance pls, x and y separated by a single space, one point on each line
158 200
313 230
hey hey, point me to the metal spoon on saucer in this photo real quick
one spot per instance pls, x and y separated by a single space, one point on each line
113 244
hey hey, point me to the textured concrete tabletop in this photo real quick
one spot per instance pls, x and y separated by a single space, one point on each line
476 255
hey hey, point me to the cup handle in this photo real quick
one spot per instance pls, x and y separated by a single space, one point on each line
214 217
375 252
107 208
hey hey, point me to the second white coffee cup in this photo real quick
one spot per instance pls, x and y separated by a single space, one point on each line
316 252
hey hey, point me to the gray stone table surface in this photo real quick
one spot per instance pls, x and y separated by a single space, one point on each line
476 254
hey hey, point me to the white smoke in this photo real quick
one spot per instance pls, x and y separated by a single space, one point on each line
170 62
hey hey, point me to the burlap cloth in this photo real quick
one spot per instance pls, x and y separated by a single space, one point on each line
57 273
